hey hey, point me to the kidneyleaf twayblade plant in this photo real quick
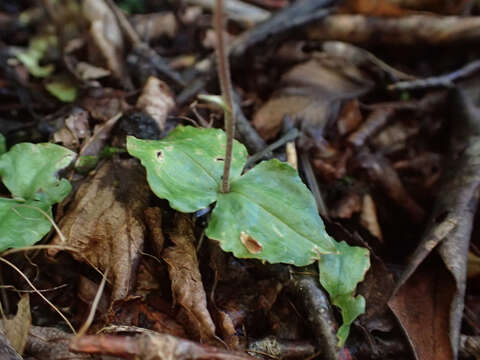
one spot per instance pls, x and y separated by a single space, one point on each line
268 213
29 172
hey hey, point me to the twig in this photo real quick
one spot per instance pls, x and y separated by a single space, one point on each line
289 136
313 184
446 80
227 93
375 121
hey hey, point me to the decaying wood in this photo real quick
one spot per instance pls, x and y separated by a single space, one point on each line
407 30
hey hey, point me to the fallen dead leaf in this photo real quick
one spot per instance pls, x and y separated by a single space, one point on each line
311 94
422 305
105 221
106 34
75 129
153 219
16 329
156 100
187 286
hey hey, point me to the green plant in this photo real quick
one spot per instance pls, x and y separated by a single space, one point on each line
268 214
29 172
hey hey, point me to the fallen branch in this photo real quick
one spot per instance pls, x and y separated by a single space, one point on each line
407 30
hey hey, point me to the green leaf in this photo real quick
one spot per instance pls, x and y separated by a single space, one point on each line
21 224
3 144
29 171
269 214
37 48
62 88
187 166
339 275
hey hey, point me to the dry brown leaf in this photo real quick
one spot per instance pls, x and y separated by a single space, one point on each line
105 221
16 329
350 117
347 206
187 286
156 100
105 103
7 352
75 129
311 93
106 34
374 8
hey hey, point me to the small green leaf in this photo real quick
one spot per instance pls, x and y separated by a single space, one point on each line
187 166
21 224
214 99
37 48
62 88
29 171
339 275
3 144
269 214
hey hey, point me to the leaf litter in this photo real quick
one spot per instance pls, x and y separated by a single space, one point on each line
387 141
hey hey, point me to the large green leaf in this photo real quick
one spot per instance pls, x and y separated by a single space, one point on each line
270 214
339 275
21 223
29 171
187 166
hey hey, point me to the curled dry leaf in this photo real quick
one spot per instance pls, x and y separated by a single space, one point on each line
106 34
187 286
156 100
311 93
151 27
75 129
105 221
17 328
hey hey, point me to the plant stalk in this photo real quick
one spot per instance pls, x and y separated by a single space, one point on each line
223 68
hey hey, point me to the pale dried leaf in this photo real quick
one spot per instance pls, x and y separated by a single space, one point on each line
16 329
90 72
106 34
105 221
368 217
187 286
156 100
75 129
151 27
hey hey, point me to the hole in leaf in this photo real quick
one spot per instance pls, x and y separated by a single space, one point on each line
252 245
219 158
159 155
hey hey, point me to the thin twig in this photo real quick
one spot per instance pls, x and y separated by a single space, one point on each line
227 93
446 80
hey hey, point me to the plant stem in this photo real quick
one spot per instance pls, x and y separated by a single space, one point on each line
227 93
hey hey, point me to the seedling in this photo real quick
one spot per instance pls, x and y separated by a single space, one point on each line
29 172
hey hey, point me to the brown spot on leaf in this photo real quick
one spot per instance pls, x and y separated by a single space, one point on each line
219 158
252 245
